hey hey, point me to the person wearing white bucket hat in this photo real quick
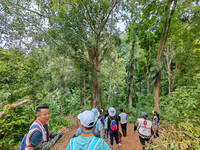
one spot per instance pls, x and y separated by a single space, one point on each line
87 140
113 127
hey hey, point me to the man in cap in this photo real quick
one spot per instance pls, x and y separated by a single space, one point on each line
113 127
87 140
144 127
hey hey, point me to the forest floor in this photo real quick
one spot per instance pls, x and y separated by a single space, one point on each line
130 142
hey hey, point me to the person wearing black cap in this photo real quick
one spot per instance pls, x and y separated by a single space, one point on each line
144 127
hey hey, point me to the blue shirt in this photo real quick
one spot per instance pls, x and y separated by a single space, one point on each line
36 138
155 122
83 141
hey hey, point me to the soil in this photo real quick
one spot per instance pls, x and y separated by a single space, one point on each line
130 142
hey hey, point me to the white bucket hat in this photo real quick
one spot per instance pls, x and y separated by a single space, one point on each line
112 111
87 118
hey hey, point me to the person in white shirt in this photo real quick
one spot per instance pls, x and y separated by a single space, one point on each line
123 121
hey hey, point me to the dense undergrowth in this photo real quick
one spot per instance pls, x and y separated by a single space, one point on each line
179 127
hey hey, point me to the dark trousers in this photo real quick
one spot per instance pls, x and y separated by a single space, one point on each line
106 133
123 126
142 141
114 135
156 133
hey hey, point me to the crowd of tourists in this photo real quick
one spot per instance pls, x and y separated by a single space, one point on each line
93 130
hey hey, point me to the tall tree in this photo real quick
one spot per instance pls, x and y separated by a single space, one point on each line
84 25
90 24
169 11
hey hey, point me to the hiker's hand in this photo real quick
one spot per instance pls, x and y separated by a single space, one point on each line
63 130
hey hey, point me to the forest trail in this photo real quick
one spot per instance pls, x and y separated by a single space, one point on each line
130 142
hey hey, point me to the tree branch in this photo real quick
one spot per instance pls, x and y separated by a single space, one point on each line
55 41
90 19
83 36
22 7
191 137
101 28
8 108
105 54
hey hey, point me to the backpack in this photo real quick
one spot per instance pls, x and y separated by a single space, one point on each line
22 145
113 125
96 132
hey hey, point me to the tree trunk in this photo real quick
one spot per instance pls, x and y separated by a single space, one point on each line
156 91
169 58
84 93
132 70
163 40
84 97
147 77
94 59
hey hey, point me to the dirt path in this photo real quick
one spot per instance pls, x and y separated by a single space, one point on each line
130 142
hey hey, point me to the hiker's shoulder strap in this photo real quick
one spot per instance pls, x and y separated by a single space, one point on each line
93 143
72 143
35 126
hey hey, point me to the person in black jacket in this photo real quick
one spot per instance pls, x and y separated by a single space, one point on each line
113 127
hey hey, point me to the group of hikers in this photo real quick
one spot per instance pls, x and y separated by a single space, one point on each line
93 130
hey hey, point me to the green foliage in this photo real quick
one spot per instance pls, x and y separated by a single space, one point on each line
144 104
184 104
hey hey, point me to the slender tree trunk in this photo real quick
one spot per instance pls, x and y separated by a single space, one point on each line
169 58
147 77
84 97
84 93
132 70
163 40
81 93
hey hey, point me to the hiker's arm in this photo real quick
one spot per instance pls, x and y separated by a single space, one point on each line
136 125
50 144
108 124
152 132
53 134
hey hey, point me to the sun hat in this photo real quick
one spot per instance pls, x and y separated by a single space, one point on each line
87 118
145 115
112 111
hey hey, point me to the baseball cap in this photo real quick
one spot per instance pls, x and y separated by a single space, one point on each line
112 111
95 111
145 115
87 118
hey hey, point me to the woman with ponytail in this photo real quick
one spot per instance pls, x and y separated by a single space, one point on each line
156 122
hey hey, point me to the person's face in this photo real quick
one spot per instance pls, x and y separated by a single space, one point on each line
43 116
